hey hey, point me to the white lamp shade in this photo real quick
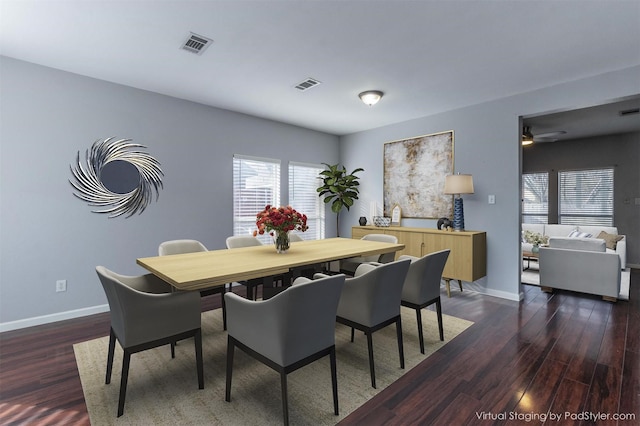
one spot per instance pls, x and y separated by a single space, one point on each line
458 184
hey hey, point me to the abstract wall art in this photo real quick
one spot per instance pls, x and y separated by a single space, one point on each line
414 172
119 178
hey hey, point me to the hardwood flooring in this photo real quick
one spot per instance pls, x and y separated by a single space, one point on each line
564 354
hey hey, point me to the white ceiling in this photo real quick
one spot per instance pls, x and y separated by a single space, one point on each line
427 56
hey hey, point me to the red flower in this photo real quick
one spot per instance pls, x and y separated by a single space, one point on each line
280 219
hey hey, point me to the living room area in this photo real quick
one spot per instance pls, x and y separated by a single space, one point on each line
589 196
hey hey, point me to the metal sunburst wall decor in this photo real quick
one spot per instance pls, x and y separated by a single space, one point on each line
118 178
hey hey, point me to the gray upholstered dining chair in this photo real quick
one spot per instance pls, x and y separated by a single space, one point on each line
287 331
370 301
237 241
146 313
172 247
349 266
422 287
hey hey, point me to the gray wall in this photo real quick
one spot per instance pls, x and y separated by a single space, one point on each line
619 151
487 145
46 234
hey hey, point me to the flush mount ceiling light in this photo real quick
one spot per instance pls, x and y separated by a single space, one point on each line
371 97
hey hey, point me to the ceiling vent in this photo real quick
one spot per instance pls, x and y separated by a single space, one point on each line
629 112
196 44
307 84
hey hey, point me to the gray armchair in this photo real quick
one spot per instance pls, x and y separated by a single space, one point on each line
237 241
349 266
171 247
370 301
145 314
288 331
422 287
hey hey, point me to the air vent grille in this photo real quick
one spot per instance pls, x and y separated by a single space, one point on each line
196 44
629 112
307 84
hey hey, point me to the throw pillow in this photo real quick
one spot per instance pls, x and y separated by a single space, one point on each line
577 234
611 240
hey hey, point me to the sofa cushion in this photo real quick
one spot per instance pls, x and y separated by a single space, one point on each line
577 234
584 244
610 239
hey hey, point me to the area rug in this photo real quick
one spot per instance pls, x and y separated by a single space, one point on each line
164 391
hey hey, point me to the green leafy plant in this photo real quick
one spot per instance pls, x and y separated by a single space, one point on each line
339 188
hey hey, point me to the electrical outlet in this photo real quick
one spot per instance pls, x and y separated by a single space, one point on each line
61 285
492 199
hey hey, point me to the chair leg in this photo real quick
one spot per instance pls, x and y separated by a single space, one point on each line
285 404
371 366
123 381
198 346
460 284
334 379
420 336
173 349
352 334
439 312
400 345
224 307
112 347
230 351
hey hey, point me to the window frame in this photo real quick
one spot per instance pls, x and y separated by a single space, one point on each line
576 215
315 211
245 210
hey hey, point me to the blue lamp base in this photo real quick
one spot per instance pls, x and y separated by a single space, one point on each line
458 215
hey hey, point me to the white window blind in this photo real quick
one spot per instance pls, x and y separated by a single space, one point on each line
256 183
535 197
304 179
586 197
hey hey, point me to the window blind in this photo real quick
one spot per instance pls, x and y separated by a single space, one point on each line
535 197
256 183
586 197
304 179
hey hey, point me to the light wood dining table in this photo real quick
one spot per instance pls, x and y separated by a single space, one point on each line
197 271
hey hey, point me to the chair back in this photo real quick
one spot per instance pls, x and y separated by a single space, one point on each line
380 290
423 279
385 257
134 301
293 324
238 241
180 246
293 237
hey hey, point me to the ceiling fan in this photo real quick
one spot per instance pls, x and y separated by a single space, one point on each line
528 137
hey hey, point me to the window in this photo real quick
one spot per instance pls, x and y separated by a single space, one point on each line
256 183
304 179
535 197
586 197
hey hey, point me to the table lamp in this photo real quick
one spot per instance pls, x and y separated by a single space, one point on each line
458 185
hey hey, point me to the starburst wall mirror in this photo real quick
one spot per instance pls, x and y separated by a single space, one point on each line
118 177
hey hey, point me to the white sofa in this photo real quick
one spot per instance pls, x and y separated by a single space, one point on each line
563 231
582 264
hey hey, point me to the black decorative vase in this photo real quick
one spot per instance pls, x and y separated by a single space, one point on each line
362 221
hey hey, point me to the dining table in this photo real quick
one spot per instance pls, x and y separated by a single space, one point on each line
214 268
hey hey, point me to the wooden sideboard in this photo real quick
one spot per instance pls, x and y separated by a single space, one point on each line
467 260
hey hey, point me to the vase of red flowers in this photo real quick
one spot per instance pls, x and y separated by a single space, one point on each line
278 221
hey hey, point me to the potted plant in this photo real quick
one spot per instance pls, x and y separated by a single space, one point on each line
339 188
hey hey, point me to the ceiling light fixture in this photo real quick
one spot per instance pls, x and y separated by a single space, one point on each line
527 136
371 97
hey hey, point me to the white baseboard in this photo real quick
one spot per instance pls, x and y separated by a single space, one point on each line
46 319
478 287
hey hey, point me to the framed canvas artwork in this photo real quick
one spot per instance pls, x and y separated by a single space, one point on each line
414 172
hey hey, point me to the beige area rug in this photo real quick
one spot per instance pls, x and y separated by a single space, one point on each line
164 391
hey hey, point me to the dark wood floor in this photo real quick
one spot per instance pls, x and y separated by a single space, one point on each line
560 353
